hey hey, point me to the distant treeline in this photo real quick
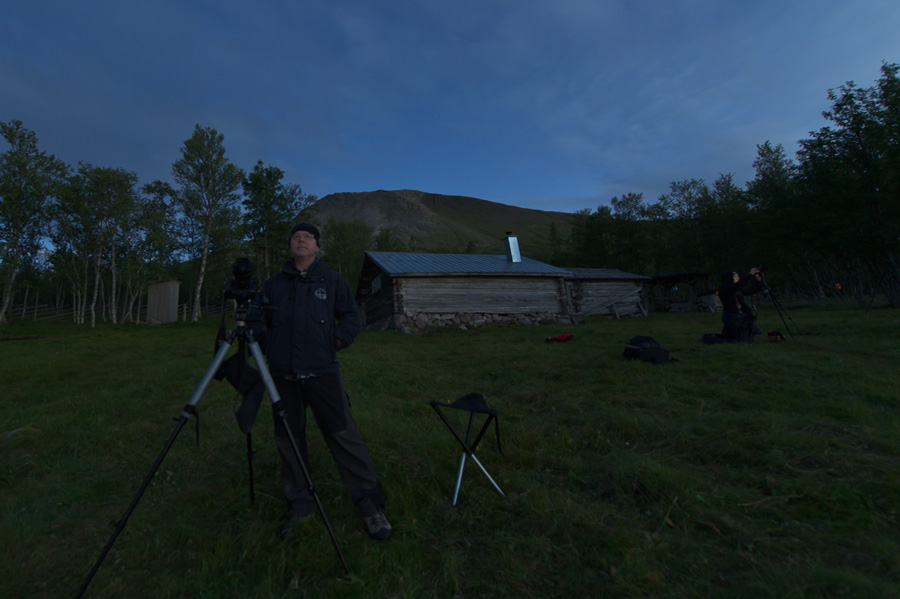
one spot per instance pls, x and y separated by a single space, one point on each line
826 222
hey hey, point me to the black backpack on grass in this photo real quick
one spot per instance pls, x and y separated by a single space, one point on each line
646 349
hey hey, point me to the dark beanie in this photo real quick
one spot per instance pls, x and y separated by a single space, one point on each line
305 227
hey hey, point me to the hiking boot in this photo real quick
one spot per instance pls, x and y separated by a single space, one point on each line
378 526
294 522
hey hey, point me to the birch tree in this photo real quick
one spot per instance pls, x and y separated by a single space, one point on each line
269 209
29 181
206 196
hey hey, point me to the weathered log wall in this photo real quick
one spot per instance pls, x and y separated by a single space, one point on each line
490 295
466 302
611 298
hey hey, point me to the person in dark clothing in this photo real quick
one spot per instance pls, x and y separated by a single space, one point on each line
310 315
737 316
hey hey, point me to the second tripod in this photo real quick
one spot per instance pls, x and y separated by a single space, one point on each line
767 291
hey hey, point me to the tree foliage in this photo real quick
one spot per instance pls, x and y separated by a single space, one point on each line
30 179
92 233
343 245
270 206
207 198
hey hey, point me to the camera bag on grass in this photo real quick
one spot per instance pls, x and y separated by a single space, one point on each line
646 349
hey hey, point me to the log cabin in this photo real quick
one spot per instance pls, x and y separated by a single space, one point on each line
405 290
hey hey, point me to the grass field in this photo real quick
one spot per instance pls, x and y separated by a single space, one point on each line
764 470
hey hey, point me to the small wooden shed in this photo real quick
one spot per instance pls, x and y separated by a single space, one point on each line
419 290
162 302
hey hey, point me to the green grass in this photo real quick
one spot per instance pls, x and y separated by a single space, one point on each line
764 470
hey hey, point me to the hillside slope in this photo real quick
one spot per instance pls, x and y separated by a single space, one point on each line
439 223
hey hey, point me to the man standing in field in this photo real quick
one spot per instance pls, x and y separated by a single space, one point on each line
310 315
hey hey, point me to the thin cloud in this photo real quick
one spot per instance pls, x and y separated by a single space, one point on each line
554 105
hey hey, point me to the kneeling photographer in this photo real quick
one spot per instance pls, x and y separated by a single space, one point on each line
738 319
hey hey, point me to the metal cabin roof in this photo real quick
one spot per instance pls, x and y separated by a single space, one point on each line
415 264
605 273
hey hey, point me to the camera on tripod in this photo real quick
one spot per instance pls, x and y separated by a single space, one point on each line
243 287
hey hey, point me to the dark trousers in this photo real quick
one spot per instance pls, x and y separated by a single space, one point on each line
738 327
325 396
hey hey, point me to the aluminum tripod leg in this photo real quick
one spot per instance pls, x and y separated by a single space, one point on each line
189 409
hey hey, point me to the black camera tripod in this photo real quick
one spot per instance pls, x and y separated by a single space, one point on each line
767 291
244 335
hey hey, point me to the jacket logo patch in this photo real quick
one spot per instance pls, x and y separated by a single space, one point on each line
321 294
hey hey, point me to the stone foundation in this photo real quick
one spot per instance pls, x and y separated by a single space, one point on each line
410 322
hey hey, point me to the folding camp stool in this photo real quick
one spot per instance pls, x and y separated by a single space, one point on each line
473 403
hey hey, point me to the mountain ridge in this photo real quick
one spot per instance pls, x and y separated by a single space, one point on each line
430 222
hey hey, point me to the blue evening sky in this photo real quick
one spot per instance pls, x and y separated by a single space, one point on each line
548 104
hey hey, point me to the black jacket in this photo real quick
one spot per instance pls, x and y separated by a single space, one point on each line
732 294
308 319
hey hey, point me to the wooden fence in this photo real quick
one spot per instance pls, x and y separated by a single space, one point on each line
40 312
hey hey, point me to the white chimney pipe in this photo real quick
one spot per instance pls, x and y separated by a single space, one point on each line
512 247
